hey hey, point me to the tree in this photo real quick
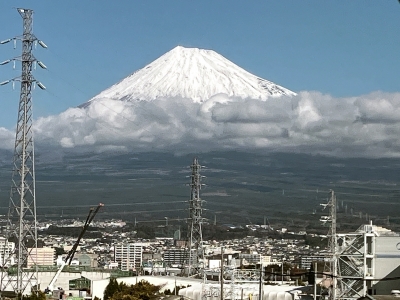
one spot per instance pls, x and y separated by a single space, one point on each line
111 288
39 295
143 290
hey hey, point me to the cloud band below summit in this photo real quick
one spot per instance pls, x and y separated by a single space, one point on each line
310 122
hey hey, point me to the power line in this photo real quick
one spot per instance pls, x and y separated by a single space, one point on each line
105 212
108 205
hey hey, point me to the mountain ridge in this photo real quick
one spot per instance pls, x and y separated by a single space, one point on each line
193 73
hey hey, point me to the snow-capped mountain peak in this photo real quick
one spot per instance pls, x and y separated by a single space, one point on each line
192 73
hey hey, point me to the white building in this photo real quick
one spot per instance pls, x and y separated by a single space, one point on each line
250 259
129 256
41 256
368 262
266 260
306 261
6 248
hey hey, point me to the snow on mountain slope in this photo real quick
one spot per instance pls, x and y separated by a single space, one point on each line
192 73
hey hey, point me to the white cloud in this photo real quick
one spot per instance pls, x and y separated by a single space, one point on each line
310 122
6 139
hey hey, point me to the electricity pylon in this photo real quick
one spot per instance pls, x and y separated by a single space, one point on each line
331 264
21 225
195 236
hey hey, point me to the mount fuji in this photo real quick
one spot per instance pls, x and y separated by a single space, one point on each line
192 73
191 99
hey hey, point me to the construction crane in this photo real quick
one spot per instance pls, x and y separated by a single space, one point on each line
71 253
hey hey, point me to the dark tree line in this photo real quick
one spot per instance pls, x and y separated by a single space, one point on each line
92 232
142 290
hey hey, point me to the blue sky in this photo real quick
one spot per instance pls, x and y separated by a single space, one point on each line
341 48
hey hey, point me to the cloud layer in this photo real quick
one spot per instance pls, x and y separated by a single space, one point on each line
310 122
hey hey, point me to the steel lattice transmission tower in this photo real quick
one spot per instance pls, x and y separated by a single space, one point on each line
331 264
195 236
21 225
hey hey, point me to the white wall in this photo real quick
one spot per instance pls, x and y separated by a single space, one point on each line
168 282
250 291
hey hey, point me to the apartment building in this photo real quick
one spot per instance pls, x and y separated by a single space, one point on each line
129 256
41 256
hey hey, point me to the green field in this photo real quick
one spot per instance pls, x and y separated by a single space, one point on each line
241 188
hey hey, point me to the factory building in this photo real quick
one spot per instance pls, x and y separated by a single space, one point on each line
368 262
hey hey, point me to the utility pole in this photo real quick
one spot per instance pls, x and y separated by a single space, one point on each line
260 287
333 245
222 273
21 217
315 280
195 236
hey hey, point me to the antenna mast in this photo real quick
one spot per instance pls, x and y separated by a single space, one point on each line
195 237
21 218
